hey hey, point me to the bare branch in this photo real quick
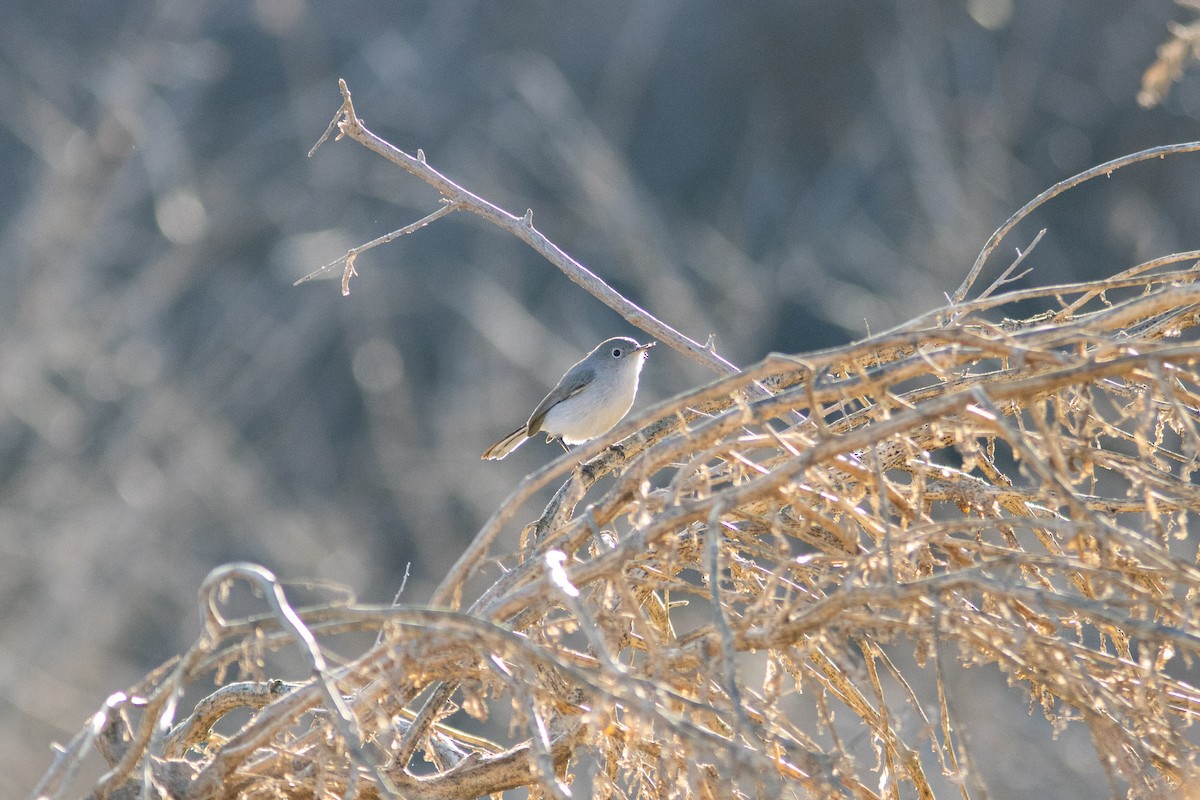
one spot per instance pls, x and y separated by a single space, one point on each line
1106 169
348 124
1007 276
353 253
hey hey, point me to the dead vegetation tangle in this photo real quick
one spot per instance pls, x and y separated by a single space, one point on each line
761 590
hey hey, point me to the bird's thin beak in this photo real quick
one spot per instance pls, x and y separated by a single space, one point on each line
643 347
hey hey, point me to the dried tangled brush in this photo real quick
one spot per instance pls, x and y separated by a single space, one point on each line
766 569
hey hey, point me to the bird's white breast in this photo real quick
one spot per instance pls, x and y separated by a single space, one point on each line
597 408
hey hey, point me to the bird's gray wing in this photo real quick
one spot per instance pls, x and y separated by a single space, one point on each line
571 384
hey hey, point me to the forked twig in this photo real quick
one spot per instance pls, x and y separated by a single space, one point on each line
1007 276
1107 168
347 261
347 123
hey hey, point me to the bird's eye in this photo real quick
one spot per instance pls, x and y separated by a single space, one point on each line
616 352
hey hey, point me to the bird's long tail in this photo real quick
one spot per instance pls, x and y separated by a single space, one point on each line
506 445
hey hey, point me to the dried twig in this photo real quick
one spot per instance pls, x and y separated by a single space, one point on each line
347 123
1105 169
347 261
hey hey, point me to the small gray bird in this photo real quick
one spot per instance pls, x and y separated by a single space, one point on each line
591 398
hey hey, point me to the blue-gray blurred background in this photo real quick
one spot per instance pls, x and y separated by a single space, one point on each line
784 174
